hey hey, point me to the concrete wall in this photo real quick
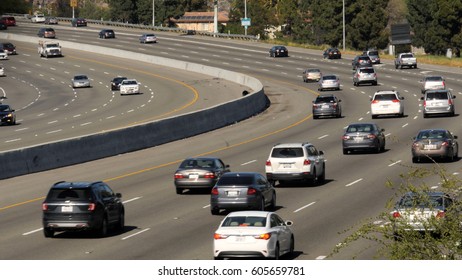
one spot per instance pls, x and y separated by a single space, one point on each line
91 147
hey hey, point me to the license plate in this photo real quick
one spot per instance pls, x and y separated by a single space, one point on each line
384 106
240 238
233 193
66 209
286 165
430 147
193 176
358 139
325 106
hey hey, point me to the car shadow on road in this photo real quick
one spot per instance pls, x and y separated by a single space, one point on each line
302 184
92 234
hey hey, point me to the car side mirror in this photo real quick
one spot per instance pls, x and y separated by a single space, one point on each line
118 195
321 153
453 96
455 137
382 130
422 98
402 98
340 100
288 223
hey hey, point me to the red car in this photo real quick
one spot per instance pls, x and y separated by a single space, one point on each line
9 21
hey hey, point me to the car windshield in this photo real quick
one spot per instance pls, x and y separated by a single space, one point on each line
240 180
407 55
385 97
287 152
434 79
360 128
149 35
4 108
69 194
436 95
129 82
240 221
197 163
374 53
80 78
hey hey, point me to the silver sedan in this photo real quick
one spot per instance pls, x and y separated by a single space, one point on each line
329 82
80 81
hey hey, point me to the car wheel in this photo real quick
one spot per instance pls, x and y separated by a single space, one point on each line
292 245
315 117
48 232
121 223
322 177
261 207
345 151
425 116
215 211
374 83
102 231
276 252
178 190
217 258
374 116
273 202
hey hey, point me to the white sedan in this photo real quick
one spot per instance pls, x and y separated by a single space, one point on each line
2 71
253 234
3 54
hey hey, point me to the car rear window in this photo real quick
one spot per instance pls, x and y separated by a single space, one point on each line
287 152
373 53
329 78
193 163
69 194
235 181
367 70
422 202
434 78
325 99
360 128
385 97
244 222
436 96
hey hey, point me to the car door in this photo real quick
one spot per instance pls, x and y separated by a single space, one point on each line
317 158
264 187
111 203
283 232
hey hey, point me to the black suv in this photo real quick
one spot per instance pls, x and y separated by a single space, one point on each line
361 61
74 206
106 33
76 22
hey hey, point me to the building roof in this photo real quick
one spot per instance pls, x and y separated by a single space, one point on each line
202 17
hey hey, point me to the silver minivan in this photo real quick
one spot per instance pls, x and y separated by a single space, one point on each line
437 102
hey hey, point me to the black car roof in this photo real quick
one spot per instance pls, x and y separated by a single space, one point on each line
76 185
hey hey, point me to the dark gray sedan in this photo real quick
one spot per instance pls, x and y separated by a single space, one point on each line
363 136
435 143
199 173
327 105
242 191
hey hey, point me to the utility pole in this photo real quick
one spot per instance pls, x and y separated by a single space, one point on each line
153 13
215 16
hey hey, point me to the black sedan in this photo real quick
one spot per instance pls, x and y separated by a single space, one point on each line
106 33
332 53
7 115
278 51
115 83
199 172
435 143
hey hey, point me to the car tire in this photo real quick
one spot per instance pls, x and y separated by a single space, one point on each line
315 117
322 177
415 160
215 211
292 245
49 233
425 116
121 223
345 151
217 258
261 207
273 202
276 252
102 231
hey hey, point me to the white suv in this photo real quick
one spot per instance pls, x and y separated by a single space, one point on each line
295 161
387 102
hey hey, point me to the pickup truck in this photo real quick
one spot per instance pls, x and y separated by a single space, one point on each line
405 60
48 48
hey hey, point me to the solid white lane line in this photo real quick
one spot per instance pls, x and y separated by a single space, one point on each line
133 199
135 234
354 182
320 257
303 207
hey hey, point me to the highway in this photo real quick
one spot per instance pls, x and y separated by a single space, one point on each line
161 225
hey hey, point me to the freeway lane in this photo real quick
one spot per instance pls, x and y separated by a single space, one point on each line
163 225
48 109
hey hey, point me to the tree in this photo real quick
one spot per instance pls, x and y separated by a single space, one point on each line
397 240
14 6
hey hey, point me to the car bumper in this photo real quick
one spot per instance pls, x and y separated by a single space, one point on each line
186 184
235 203
439 110
225 248
442 152
325 113
359 145
289 176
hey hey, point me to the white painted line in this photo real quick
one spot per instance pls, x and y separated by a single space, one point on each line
135 234
249 162
55 121
301 208
75 116
406 124
320 257
24 128
388 134
133 199
324 136
54 131
394 163
206 206
13 140
87 123
354 182
32 231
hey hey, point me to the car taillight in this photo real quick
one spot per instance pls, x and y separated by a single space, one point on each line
440 214
44 207
425 103
91 207
371 136
179 176
375 101
215 191
209 175
251 191
264 236
395 101
268 163
306 162
219 236
450 101
345 137
445 143
396 214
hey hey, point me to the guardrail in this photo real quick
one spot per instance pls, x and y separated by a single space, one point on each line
157 28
